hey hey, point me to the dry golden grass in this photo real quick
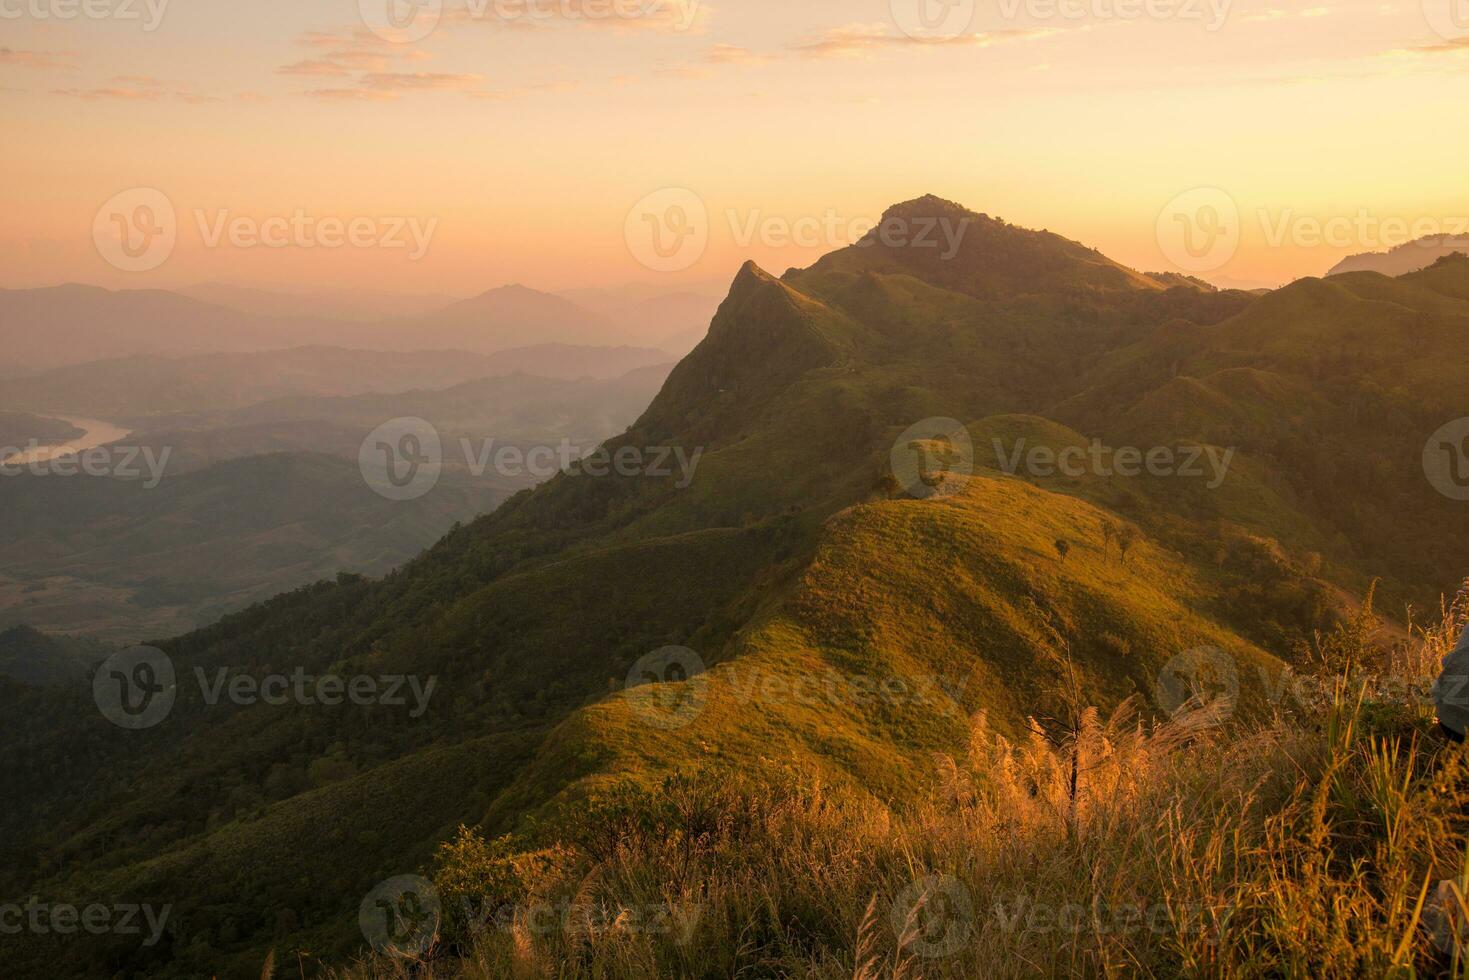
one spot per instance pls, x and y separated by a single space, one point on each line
1325 841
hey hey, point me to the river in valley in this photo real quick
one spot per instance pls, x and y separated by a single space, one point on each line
95 432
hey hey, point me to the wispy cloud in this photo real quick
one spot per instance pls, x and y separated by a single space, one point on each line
730 54
369 68
37 60
686 72
423 81
122 94
1456 46
863 40
141 88
1275 14
341 54
657 16
349 95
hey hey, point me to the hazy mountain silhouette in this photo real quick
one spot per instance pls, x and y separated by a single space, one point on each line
1403 259
142 385
41 329
339 304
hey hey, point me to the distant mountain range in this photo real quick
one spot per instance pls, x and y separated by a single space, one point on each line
1403 259
516 409
259 497
339 304
132 388
877 544
42 329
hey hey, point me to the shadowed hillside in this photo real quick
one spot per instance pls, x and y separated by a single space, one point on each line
869 552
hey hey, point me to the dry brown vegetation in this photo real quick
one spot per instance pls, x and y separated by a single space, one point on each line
1325 841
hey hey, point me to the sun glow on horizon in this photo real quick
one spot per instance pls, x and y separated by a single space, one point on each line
523 142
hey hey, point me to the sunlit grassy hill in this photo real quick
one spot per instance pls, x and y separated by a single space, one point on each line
852 613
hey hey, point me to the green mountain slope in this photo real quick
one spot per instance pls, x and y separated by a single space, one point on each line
850 615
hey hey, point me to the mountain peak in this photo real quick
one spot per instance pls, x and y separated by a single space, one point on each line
511 290
929 206
947 245
750 277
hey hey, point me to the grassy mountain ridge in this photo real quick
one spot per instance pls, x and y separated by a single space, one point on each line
793 557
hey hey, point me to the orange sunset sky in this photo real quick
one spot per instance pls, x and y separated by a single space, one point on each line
526 137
